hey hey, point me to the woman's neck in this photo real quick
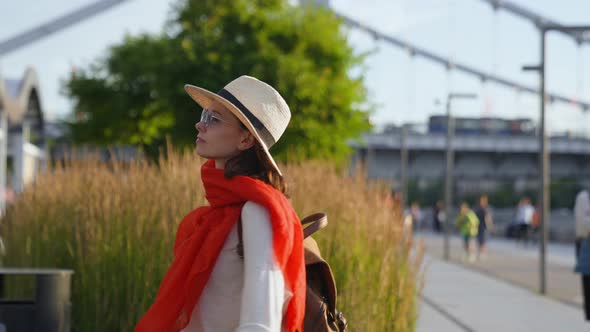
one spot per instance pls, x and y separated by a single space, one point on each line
220 163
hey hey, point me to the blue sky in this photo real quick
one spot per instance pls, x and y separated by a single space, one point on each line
403 89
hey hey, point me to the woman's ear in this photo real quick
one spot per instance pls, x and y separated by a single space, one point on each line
247 141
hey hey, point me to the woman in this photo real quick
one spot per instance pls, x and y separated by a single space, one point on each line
210 286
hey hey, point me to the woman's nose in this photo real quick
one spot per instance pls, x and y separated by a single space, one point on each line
200 126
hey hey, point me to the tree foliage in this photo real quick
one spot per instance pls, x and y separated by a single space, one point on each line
134 95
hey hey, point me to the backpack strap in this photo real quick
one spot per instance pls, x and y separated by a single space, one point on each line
240 247
314 223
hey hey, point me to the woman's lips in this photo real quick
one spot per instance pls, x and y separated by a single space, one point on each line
200 140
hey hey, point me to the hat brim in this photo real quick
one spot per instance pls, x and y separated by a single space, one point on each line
205 97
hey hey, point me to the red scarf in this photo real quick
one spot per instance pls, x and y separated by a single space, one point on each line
199 240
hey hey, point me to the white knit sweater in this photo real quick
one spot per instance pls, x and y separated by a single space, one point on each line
246 295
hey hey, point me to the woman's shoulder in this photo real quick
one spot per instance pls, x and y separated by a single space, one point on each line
256 223
252 211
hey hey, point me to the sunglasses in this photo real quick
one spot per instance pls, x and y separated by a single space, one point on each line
211 120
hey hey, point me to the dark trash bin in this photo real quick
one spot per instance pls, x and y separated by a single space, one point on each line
48 311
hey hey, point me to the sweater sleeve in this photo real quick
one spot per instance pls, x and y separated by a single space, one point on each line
264 286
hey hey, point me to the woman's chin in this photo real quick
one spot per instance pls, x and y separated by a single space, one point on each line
204 154
200 151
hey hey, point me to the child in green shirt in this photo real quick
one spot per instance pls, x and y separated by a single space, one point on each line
467 223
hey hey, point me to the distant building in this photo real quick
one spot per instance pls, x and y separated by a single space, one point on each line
25 143
484 159
437 124
26 151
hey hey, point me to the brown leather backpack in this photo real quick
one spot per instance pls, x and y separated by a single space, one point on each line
320 303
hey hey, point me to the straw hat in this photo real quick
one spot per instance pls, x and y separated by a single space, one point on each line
256 104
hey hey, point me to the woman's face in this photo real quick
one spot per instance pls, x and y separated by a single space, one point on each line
222 138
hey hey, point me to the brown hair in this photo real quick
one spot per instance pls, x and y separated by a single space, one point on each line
254 163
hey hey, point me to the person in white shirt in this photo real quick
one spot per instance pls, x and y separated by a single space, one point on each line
582 224
524 219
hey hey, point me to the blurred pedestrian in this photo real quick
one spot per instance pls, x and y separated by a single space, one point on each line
582 220
438 216
536 224
413 216
483 212
524 219
468 225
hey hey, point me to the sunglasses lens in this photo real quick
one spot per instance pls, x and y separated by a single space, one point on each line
205 118
208 119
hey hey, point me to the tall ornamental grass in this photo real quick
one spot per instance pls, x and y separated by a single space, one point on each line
114 224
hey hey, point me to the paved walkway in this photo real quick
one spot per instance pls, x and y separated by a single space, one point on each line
499 293
519 265
459 299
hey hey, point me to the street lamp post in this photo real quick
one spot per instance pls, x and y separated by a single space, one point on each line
582 33
449 167
404 164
